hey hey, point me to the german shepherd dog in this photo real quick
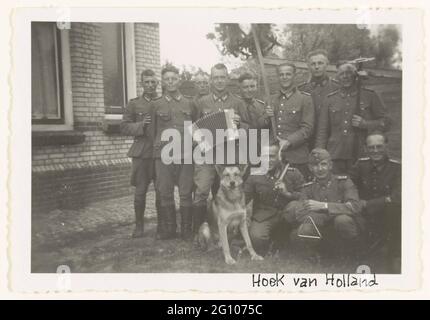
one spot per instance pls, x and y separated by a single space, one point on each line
227 213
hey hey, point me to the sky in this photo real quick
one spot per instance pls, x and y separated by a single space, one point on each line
186 44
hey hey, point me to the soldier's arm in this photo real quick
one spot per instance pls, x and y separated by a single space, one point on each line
128 125
322 129
242 111
351 204
263 121
249 189
381 120
306 125
297 182
354 174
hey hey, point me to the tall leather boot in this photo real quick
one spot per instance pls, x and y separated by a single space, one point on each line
159 217
139 211
199 216
171 221
186 220
162 232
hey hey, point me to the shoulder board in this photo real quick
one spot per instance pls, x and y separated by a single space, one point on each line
236 95
308 183
333 93
341 177
334 80
134 99
188 97
302 84
363 159
260 101
305 93
367 89
157 98
291 169
395 161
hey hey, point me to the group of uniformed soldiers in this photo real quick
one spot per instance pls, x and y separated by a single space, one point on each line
340 182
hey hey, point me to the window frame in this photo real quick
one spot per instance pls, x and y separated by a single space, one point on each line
65 86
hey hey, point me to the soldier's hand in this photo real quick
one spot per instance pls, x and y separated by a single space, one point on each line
283 144
313 205
357 121
236 119
269 111
147 119
280 186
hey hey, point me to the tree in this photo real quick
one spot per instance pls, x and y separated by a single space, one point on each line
234 41
343 42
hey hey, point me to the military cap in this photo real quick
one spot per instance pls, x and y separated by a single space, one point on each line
317 155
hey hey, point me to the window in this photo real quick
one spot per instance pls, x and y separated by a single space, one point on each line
46 74
115 77
51 94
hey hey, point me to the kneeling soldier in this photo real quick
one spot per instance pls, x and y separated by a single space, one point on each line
270 195
329 201
378 179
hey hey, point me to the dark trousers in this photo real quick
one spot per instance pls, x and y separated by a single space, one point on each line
169 175
142 173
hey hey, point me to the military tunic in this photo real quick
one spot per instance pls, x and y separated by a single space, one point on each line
318 89
294 115
258 118
380 186
335 131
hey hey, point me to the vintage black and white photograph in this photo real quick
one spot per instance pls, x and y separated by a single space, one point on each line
103 200
268 143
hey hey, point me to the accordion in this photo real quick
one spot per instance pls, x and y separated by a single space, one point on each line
220 120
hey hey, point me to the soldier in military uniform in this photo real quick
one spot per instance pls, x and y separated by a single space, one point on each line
256 108
319 84
342 125
136 119
295 115
328 202
219 99
169 112
270 196
378 179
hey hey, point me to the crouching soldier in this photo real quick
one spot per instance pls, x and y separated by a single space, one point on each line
329 208
136 120
270 194
378 179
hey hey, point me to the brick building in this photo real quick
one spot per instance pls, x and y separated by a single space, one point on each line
82 76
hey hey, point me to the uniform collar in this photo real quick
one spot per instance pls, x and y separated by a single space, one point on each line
218 98
287 95
176 97
326 183
380 165
348 93
148 98
321 81
249 101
